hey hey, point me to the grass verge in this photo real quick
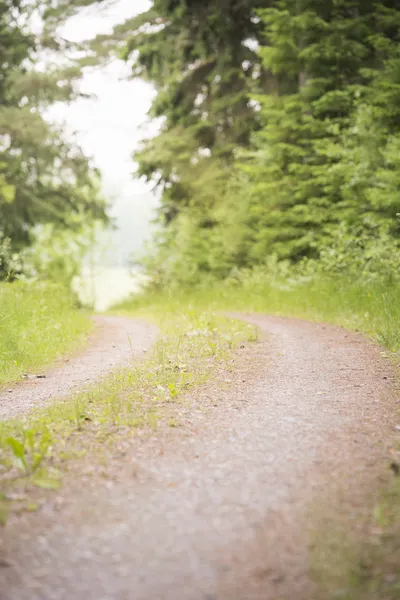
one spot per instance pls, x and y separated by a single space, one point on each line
35 451
372 308
38 323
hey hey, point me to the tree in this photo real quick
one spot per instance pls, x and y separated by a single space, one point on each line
280 128
201 57
326 155
43 177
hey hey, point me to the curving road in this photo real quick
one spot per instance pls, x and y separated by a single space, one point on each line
230 504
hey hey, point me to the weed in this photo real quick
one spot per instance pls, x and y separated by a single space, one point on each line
29 450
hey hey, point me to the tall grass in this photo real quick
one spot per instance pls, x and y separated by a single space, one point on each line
373 308
38 322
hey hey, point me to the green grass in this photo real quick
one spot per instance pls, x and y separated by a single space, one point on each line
375 572
38 323
373 309
347 568
35 451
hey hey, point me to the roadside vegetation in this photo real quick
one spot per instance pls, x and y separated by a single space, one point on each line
38 323
50 199
371 308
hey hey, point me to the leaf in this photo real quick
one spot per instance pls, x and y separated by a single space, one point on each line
47 483
7 192
18 451
17 447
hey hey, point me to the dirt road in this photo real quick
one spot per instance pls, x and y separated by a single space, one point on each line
230 504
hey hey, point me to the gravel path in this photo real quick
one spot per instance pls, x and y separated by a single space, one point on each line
224 506
113 343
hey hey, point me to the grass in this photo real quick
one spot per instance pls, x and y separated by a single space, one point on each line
38 323
35 451
374 574
347 568
371 308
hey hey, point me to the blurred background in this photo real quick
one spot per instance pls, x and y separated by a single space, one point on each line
109 126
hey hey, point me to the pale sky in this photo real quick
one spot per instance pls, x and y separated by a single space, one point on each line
110 127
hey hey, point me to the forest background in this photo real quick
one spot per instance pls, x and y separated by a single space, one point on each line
277 158
279 144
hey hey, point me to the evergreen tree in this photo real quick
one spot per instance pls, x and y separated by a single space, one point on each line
321 159
202 60
280 128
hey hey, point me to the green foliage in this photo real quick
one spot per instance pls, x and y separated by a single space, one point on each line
57 254
38 322
195 54
9 262
29 451
366 252
320 159
43 178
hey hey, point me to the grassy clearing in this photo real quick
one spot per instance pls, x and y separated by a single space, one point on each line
34 452
38 323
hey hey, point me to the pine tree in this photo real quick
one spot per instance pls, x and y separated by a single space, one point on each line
306 158
199 57
280 128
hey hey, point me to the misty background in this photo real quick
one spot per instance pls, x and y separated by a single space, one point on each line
109 127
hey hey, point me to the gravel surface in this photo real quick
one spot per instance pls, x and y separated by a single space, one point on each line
114 342
225 505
